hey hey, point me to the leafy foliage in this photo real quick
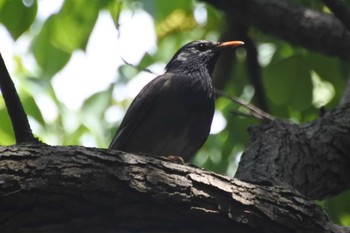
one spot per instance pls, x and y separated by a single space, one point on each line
297 81
17 16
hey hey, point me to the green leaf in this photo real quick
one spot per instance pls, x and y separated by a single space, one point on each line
92 112
6 131
98 102
16 16
63 33
288 82
160 9
114 7
73 24
32 109
74 137
50 57
329 69
338 208
170 18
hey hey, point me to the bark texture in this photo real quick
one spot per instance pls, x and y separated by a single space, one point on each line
77 189
313 158
292 22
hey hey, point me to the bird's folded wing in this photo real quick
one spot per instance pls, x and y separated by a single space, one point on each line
140 108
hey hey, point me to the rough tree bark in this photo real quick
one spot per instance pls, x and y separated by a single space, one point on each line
70 189
77 189
285 167
313 158
292 22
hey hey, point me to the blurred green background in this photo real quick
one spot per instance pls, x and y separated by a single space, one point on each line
44 41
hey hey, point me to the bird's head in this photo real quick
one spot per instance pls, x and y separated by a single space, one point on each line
198 56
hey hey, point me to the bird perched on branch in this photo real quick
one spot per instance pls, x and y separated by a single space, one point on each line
172 114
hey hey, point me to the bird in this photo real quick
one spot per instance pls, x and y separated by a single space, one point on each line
172 114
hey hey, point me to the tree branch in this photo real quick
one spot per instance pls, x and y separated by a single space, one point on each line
226 63
70 189
313 158
295 23
21 127
254 73
341 10
253 111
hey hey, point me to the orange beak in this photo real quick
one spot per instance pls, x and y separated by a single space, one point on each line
233 43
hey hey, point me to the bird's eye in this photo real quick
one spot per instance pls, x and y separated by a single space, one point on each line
201 47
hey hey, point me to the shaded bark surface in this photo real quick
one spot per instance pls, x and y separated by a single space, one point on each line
292 22
77 189
313 158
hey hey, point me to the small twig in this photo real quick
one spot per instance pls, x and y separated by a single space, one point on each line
138 67
341 10
256 112
20 124
243 114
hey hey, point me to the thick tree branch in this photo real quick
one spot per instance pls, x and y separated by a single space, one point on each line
295 23
19 119
77 189
341 10
312 158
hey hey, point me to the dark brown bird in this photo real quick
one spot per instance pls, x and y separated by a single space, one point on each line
172 114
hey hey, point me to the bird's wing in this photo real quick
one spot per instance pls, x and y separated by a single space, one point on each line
139 109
